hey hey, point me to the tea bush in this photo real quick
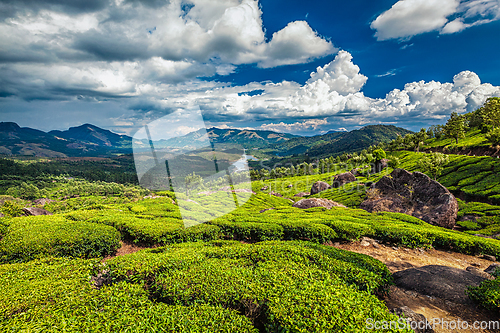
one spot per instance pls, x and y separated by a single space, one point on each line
487 294
30 237
280 286
55 295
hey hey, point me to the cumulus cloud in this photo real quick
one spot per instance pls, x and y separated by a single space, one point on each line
407 18
221 32
294 44
305 125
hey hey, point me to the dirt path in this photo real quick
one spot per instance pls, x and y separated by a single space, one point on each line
397 259
126 247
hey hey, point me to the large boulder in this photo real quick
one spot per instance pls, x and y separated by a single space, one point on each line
316 202
444 282
342 179
35 211
319 187
414 194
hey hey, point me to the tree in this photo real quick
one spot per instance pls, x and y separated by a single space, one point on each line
493 136
192 181
433 164
490 112
455 127
419 138
378 154
408 141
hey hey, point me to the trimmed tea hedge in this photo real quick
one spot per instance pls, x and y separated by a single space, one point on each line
281 286
54 295
31 237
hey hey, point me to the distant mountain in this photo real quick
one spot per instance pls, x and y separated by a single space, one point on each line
335 143
85 140
225 137
90 140
357 140
91 134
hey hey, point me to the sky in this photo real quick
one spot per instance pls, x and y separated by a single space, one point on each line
302 67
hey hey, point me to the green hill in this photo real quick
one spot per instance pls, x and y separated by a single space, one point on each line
336 143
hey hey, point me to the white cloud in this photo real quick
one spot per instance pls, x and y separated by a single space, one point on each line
294 44
456 25
340 75
305 125
332 96
408 18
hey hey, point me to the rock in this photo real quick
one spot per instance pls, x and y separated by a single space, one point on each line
475 264
319 187
265 210
289 186
370 241
380 165
492 268
342 179
35 211
316 202
302 194
355 171
42 202
472 218
225 188
264 188
364 243
412 316
414 194
488 257
101 279
276 194
477 272
444 282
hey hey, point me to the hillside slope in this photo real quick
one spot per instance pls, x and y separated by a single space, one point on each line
337 143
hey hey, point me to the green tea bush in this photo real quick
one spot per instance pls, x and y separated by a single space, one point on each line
487 294
31 237
54 295
11 209
314 232
279 286
251 231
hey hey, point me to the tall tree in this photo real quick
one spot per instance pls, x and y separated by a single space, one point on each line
419 138
455 127
490 112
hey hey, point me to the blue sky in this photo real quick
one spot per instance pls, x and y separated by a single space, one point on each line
303 67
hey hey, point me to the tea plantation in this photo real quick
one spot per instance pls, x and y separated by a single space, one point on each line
264 267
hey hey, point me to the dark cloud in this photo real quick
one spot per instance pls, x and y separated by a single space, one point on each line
149 3
110 46
10 7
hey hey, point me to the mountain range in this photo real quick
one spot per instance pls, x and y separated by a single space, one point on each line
90 140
